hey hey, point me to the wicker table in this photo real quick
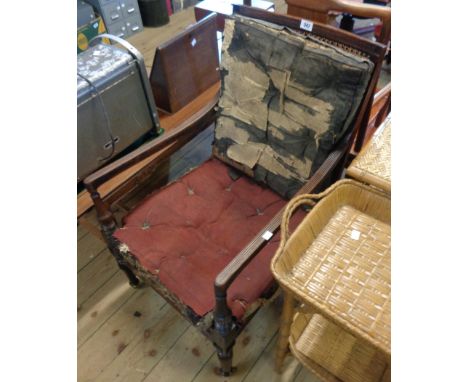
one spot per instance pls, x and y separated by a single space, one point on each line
373 164
336 265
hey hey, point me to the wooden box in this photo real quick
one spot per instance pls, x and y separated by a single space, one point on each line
186 66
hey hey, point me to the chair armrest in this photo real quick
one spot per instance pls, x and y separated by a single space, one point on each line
197 122
226 277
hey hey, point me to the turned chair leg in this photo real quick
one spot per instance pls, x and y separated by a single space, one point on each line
225 361
132 279
225 332
285 326
113 248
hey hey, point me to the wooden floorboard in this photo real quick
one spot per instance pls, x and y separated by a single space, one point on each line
145 352
95 274
81 232
102 305
263 368
184 360
88 249
138 313
305 376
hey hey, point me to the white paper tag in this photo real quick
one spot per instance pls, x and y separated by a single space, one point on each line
355 235
267 235
306 25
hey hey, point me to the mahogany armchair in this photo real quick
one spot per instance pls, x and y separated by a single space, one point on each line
291 103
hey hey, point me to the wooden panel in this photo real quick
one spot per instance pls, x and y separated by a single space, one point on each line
186 66
150 38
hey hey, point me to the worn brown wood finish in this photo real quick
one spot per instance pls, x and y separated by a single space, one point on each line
319 10
379 110
196 53
381 107
220 326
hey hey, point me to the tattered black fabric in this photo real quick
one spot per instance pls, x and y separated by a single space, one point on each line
286 100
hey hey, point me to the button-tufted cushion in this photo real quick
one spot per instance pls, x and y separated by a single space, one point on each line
187 232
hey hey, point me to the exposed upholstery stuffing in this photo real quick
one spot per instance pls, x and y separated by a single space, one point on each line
286 100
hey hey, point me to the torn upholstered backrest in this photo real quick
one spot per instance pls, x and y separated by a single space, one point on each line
286 99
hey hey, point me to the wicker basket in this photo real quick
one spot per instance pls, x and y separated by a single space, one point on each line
373 164
337 262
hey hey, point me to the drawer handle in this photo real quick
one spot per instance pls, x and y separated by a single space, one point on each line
114 16
131 10
135 28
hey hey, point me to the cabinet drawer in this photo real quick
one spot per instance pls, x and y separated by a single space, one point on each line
129 7
118 29
112 13
134 24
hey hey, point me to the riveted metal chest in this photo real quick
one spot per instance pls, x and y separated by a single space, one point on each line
115 103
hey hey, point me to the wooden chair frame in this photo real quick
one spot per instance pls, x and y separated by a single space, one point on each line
220 326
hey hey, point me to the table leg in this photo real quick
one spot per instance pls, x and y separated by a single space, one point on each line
285 325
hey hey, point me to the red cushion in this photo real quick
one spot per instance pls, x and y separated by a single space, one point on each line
187 232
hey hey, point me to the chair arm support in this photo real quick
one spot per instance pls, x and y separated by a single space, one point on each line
197 122
226 277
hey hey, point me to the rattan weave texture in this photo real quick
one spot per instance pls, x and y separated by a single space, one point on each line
338 259
373 163
334 354
347 268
